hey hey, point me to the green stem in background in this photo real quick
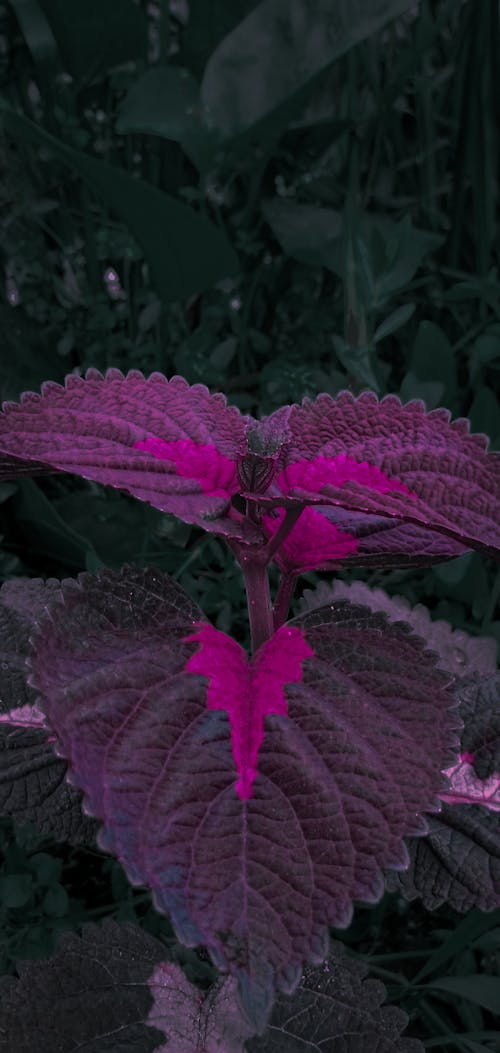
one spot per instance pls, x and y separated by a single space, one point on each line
492 602
164 31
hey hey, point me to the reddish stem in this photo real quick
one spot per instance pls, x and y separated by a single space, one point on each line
283 599
259 601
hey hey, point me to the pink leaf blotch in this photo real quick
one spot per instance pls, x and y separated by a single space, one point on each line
215 473
248 689
313 540
313 475
466 788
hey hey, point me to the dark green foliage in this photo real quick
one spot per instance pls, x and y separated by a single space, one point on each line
333 228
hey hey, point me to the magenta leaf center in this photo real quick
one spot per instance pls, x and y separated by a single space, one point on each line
334 471
248 689
215 473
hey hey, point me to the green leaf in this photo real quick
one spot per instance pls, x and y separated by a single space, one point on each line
480 989
165 101
394 321
94 36
409 246
45 532
279 49
484 414
55 902
209 21
356 360
460 938
485 351
186 253
47 868
37 34
431 391
432 358
15 890
25 361
388 253
307 233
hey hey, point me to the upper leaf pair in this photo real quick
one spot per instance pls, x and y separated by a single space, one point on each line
379 483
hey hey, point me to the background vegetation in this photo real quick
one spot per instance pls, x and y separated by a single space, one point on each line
273 219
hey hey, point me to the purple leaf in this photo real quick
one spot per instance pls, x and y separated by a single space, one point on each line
33 787
357 461
351 752
457 863
467 788
336 1009
406 463
111 990
115 429
458 653
326 538
480 712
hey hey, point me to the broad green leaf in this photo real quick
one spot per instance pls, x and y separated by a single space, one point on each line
433 360
94 36
165 101
209 22
186 253
431 391
279 49
480 989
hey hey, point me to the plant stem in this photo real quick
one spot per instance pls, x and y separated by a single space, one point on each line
283 599
259 602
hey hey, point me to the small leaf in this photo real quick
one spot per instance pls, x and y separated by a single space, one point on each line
15 890
393 322
306 232
32 777
55 902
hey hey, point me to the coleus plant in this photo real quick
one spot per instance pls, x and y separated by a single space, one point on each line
257 796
